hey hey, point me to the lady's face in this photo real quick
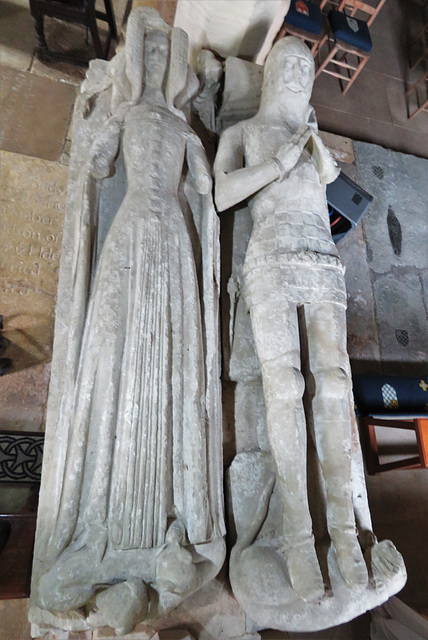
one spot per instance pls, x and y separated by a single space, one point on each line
156 53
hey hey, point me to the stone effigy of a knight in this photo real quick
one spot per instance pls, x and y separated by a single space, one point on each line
292 281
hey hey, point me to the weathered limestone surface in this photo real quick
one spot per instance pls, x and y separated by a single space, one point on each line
288 334
242 91
131 511
243 27
165 8
211 614
33 203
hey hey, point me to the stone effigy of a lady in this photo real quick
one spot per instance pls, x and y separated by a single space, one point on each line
131 497
294 290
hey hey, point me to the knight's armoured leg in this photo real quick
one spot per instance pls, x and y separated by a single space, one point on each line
276 333
329 366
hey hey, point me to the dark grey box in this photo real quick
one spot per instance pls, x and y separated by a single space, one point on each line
347 202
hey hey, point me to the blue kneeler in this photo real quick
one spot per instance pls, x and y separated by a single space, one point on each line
351 31
305 15
305 21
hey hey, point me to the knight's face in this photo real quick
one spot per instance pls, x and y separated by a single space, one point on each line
289 73
297 75
156 52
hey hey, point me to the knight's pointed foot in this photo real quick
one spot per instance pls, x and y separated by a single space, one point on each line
350 558
386 562
304 571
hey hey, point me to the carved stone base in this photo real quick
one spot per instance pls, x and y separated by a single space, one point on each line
258 571
212 612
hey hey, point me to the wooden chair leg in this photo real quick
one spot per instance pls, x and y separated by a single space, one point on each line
314 49
41 44
417 84
418 60
110 18
326 61
420 34
93 28
16 555
422 107
421 429
369 442
355 76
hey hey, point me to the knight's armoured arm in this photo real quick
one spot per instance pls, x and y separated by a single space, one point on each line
198 165
323 160
234 182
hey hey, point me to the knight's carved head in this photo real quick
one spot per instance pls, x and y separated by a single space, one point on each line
289 70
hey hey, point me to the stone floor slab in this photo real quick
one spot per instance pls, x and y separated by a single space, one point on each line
14 621
399 108
328 93
392 136
340 147
15 18
399 507
34 114
398 184
424 279
401 316
68 39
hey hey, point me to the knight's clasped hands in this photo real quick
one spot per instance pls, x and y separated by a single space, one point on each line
290 152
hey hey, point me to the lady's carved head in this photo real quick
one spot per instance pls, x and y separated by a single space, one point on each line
156 57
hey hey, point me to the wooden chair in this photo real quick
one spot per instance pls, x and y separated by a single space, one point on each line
394 403
420 47
421 105
371 449
305 21
17 532
349 42
79 11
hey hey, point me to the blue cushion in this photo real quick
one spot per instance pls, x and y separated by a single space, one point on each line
383 394
305 15
350 30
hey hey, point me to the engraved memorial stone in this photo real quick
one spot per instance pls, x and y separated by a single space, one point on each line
33 195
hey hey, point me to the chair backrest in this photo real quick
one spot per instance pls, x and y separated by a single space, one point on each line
361 10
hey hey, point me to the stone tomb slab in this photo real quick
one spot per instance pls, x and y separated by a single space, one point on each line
33 203
363 345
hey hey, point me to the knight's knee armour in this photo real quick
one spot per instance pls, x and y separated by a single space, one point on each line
334 383
284 382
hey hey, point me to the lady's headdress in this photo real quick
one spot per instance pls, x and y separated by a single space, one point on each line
126 69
